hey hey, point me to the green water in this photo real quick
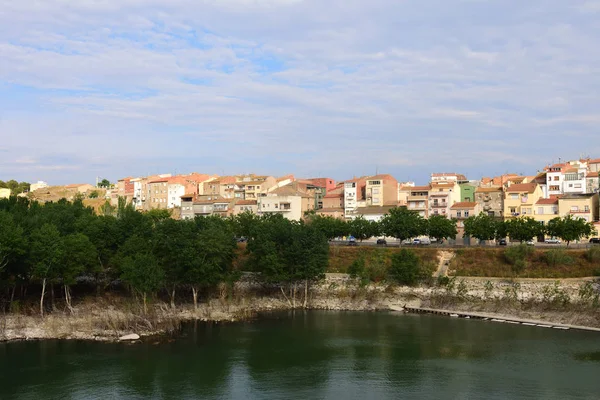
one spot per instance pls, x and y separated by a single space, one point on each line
316 355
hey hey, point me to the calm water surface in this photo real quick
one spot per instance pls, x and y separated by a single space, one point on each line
316 355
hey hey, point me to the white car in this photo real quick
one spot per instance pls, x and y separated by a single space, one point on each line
552 241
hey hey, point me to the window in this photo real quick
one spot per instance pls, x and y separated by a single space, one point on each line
276 205
490 214
570 185
556 178
513 210
466 214
586 208
375 183
375 191
578 186
541 210
375 199
574 208
458 214
514 196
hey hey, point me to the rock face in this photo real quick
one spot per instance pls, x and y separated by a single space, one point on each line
131 336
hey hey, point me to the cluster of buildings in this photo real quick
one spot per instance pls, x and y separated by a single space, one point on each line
566 188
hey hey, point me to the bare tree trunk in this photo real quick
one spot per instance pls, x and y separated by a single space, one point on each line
12 296
42 297
145 307
294 296
286 298
68 298
305 293
195 294
173 297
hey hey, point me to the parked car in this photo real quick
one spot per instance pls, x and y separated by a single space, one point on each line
552 241
416 241
382 242
530 243
502 242
352 241
407 241
425 241
241 239
595 240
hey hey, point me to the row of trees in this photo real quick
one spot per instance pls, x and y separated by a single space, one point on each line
567 228
400 223
14 186
64 243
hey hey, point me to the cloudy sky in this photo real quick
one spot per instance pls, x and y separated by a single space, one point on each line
312 87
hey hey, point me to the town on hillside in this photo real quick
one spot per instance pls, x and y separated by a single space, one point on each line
566 188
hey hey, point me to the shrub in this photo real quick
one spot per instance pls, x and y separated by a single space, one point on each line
461 289
488 288
555 295
512 291
586 292
359 271
443 280
593 254
556 257
514 254
406 268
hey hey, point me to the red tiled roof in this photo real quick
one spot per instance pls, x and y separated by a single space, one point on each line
464 204
488 189
522 187
246 203
593 161
591 175
548 201
420 188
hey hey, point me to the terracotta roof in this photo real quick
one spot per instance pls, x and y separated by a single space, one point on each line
283 178
593 161
225 180
459 177
188 195
159 180
420 188
522 187
464 204
592 175
288 190
331 195
548 201
571 169
381 177
246 203
442 184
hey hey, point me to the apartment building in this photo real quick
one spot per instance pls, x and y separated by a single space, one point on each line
404 192
491 200
461 211
418 200
381 190
354 196
442 195
255 188
242 206
125 188
546 210
287 201
157 193
568 177
448 177
520 199
580 205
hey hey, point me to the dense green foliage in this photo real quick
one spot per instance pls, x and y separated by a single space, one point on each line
482 227
65 244
14 186
407 269
570 229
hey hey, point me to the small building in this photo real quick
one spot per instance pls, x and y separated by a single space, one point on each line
461 211
38 185
382 190
373 213
4 193
187 206
546 210
491 200
583 206
520 199
418 199
242 206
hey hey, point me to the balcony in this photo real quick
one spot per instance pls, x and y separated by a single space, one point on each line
285 206
417 198
439 205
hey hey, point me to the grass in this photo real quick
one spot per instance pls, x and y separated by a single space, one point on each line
340 258
553 263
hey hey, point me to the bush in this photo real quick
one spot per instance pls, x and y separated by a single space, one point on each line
587 292
556 257
359 271
593 254
406 268
514 254
555 295
488 288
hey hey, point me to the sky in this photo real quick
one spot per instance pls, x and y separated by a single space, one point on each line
335 88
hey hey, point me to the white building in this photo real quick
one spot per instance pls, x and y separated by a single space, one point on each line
38 185
566 178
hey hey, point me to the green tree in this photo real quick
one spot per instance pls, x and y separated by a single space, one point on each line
94 194
406 268
79 256
143 273
329 226
570 229
501 229
104 183
482 226
46 252
403 224
440 227
13 242
524 228
363 229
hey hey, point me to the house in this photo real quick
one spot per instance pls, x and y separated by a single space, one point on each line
461 211
327 183
491 200
593 165
38 185
568 177
288 201
333 203
354 196
125 188
467 191
381 190
157 193
258 186
242 206
520 199
448 177
403 192
4 193
442 195
581 205
592 182
183 184
418 199
139 193
546 210
374 213
187 206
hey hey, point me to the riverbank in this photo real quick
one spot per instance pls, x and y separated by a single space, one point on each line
571 301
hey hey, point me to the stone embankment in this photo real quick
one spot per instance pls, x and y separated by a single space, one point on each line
568 301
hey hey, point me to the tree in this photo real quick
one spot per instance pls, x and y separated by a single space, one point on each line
440 227
143 273
406 268
104 183
79 256
12 240
94 194
403 224
329 226
46 252
482 227
524 228
501 230
570 229
362 229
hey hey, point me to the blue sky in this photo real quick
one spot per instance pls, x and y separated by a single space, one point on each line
316 88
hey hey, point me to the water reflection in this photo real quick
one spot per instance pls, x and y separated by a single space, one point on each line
314 355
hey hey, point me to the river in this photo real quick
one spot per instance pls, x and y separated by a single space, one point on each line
315 355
